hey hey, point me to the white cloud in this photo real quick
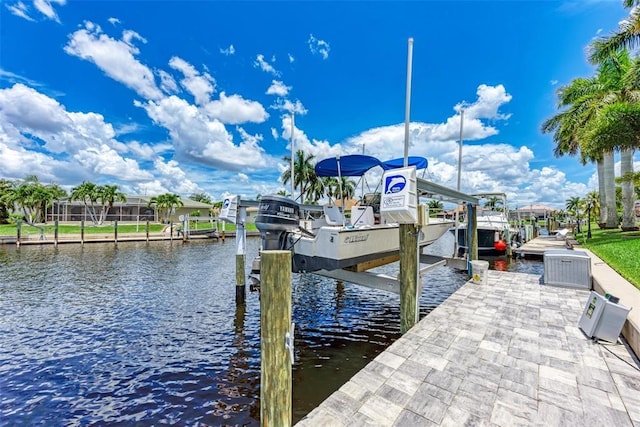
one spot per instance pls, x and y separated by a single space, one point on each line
235 109
289 106
20 9
172 176
104 160
278 88
71 144
167 82
490 98
199 85
317 46
45 7
553 82
198 136
291 58
228 51
147 151
264 65
114 21
243 177
115 57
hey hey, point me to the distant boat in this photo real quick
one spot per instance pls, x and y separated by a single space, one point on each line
324 238
493 226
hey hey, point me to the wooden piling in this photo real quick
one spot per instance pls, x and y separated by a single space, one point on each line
115 232
18 232
275 324
240 279
82 231
473 234
55 232
241 240
408 276
147 230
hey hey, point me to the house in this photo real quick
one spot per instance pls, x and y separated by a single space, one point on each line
135 209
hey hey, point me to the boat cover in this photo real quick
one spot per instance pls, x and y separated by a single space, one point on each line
359 164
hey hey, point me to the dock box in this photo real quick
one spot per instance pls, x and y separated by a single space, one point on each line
568 268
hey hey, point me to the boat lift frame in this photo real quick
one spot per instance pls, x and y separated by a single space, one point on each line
368 279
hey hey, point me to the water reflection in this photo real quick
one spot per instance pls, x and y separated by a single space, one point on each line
150 333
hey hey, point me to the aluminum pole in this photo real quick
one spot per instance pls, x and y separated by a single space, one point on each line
408 103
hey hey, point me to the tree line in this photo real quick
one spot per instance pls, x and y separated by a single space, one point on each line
28 200
600 115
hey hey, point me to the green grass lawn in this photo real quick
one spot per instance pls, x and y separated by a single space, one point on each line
10 229
620 250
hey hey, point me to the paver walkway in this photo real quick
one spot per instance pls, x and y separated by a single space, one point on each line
503 354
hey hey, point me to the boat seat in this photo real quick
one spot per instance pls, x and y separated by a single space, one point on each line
362 215
332 215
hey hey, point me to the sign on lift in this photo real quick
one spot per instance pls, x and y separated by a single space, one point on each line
399 200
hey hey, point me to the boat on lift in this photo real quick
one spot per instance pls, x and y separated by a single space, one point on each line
325 238
494 229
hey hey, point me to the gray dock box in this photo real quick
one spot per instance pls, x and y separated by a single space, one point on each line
569 268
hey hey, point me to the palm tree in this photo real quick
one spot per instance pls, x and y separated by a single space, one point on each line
591 203
627 37
492 203
617 126
304 172
87 192
31 196
6 187
573 206
165 203
578 127
108 195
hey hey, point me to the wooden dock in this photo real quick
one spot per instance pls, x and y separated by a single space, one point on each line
506 353
535 248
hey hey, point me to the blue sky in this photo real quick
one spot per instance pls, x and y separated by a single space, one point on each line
195 96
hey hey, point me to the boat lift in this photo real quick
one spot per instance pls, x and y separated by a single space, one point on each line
234 211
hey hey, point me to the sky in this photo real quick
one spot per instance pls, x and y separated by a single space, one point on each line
197 96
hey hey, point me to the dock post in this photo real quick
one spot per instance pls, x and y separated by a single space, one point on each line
473 244
240 255
115 232
408 276
82 231
171 231
55 233
276 339
507 234
18 232
147 230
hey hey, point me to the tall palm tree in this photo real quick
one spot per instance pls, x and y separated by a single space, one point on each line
617 126
591 203
585 101
573 206
303 171
627 37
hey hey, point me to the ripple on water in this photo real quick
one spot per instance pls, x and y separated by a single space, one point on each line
150 333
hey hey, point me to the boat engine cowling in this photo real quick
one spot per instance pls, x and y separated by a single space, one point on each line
277 216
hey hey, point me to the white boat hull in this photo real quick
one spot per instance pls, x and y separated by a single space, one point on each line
336 247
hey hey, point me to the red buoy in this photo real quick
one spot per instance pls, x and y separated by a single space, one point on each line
500 245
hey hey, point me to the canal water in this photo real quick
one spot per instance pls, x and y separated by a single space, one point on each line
149 333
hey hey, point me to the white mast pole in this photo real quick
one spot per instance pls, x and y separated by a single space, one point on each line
408 104
455 244
292 157
460 147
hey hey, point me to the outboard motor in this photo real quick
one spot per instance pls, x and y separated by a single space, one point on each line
277 216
